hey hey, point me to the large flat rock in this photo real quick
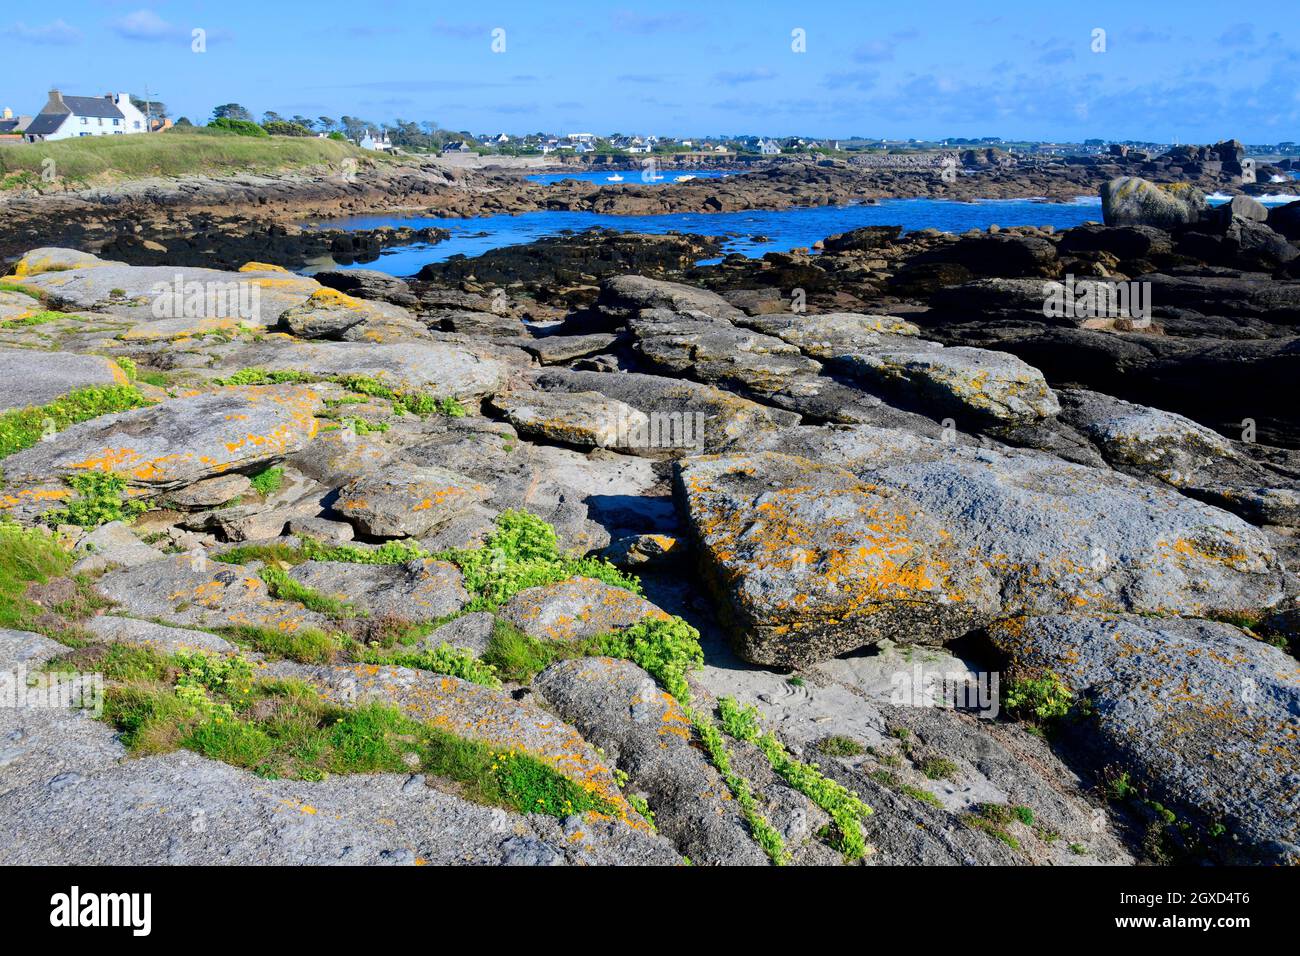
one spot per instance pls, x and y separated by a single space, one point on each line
257 296
1060 537
181 441
33 377
807 561
1206 716
439 368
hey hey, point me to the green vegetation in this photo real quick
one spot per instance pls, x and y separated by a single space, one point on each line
26 557
36 294
846 811
993 819
101 498
764 833
938 768
267 481
667 650
1039 698
173 153
33 318
453 661
305 645
523 553
891 780
840 746
24 427
215 707
237 126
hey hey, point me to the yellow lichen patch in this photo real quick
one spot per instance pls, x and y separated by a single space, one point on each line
262 267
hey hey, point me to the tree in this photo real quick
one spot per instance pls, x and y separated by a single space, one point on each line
305 122
355 127
155 108
327 123
184 121
271 116
232 111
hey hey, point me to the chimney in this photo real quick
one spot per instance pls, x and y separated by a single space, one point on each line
8 113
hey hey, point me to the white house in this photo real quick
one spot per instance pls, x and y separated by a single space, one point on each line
582 137
66 117
769 147
376 141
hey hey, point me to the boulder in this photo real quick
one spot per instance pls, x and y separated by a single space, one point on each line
420 590
437 368
256 297
576 609
1133 201
470 632
330 314
1060 537
684 415
406 501
37 377
179 442
578 419
808 562
1202 715
112 545
188 590
368 284
630 294
617 707
825 336
966 382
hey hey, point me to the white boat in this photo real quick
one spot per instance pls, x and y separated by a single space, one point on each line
683 179
616 178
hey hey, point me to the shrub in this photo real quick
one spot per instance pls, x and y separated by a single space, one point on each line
99 500
237 126
1042 698
666 649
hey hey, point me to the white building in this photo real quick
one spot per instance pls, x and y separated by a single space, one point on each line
376 141
67 117
769 147
582 137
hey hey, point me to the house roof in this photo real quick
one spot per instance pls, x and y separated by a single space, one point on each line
93 106
45 124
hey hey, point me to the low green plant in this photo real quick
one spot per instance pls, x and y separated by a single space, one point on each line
1040 698
840 746
267 481
24 427
891 780
666 649
846 810
715 746
306 645
938 768
522 552
100 498
993 819
445 659
27 556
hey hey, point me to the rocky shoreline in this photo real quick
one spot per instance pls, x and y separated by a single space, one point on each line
215 221
902 552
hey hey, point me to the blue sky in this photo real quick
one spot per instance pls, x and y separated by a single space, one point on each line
1190 71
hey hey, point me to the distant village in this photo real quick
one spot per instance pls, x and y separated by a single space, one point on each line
66 116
